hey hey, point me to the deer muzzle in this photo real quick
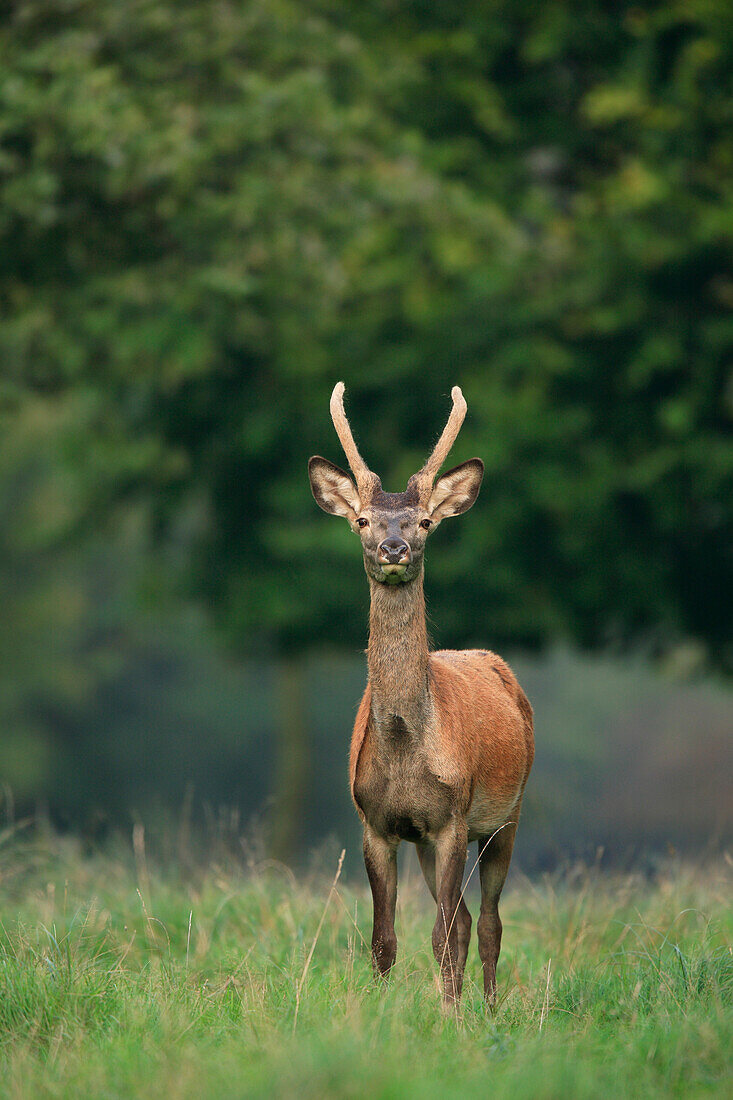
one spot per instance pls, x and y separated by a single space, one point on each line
393 552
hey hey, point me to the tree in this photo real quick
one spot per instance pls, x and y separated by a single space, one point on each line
212 212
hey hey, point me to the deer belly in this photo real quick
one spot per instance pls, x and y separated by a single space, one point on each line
489 811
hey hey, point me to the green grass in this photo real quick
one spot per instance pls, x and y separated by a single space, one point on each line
116 981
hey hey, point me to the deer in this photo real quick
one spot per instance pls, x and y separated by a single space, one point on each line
443 741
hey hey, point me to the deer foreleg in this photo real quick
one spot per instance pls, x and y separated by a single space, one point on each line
380 858
453 924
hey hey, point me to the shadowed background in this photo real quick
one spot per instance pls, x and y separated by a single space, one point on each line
211 212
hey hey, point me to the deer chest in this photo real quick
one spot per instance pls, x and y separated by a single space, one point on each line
399 795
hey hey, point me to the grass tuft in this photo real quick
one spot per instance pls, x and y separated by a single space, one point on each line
118 981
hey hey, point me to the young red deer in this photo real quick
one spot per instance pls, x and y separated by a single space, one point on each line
443 742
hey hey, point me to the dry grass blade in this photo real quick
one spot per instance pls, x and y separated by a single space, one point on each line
546 999
303 976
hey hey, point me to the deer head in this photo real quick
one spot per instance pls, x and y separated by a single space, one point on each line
393 527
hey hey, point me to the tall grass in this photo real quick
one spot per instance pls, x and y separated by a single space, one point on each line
122 979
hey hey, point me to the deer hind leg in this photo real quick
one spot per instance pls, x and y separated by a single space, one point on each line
380 859
452 929
495 853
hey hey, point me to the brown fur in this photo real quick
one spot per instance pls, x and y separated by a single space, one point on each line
485 740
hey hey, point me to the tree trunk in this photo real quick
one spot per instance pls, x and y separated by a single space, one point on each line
291 759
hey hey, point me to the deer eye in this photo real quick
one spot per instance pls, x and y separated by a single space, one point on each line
425 523
361 522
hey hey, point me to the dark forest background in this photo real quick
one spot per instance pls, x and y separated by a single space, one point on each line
210 212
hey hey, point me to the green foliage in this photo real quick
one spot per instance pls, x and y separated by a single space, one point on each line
210 212
120 984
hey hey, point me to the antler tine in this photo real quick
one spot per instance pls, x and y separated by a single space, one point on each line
426 476
365 479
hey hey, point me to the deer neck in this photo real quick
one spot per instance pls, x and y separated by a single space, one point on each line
397 657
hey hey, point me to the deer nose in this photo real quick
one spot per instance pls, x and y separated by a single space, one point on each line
393 551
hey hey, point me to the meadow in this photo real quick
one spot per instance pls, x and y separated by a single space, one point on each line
237 978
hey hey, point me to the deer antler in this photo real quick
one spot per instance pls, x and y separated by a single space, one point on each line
424 478
366 481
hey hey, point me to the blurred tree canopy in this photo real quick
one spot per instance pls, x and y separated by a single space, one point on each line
210 212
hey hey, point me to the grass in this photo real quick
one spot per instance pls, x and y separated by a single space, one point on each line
116 980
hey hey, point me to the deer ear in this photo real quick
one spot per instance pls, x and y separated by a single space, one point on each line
333 489
456 490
